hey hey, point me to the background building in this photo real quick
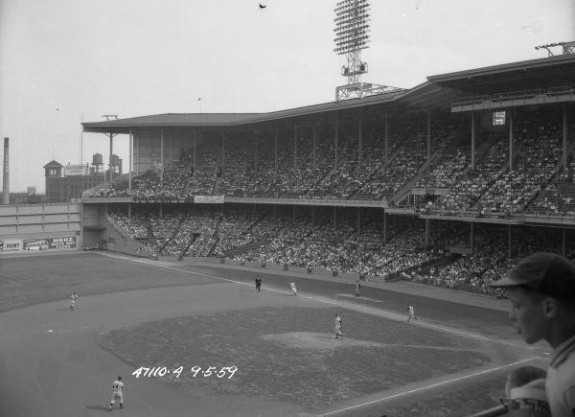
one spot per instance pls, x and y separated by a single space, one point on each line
66 182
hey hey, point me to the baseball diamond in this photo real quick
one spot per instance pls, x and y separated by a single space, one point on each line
184 319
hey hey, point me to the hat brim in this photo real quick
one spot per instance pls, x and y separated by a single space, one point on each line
506 282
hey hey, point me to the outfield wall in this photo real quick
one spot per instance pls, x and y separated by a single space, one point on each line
40 227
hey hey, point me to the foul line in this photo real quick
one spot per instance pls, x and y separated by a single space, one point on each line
347 305
427 387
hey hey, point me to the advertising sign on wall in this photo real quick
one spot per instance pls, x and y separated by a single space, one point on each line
62 242
35 244
68 242
10 246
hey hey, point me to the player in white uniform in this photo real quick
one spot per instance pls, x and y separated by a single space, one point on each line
411 313
293 288
338 323
73 299
117 393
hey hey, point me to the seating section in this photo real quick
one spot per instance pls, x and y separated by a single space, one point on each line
434 174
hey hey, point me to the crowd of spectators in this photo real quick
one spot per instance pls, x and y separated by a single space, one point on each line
299 167
262 238
472 183
540 151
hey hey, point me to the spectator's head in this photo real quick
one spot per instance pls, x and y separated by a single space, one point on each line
541 289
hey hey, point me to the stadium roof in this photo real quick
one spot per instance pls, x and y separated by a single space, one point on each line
169 120
557 71
439 91
230 119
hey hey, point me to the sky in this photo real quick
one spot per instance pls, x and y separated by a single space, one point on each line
67 61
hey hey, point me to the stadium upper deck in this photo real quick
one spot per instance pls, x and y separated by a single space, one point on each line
483 145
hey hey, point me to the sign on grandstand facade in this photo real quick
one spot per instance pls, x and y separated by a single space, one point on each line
209 199
498 118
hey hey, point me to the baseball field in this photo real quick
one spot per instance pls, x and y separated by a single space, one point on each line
193 339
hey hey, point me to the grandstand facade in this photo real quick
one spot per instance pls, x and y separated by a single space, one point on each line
467 161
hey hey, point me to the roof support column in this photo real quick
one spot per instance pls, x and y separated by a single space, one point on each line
197 133
170 151
358 232
334 218
111 166
336 127
509 240
385 227
130 161
276 152
472 237
256 148
162 157
360 143
510 142
428 135
565 137
137 155
313 216
295 146
427 231
473 144
223 163
314 150
563 242
385 139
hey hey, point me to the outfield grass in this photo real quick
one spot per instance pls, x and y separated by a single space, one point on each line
30 280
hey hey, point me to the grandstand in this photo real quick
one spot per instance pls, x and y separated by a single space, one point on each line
386 186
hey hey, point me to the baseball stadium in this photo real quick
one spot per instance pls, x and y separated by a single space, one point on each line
391 209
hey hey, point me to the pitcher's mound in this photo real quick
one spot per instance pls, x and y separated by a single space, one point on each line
322 341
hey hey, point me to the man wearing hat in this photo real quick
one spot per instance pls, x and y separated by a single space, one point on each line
541 289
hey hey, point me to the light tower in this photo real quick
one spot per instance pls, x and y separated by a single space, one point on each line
567 47
351 37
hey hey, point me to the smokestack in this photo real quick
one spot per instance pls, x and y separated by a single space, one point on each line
6 182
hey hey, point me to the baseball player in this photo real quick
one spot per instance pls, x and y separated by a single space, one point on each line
73 299
293 288
357 288
411 313
338 323
258 283
117 393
